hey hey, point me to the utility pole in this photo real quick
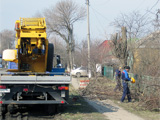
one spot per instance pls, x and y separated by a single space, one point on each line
88 27
1 44
71 45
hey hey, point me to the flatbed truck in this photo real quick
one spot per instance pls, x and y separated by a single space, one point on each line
33 82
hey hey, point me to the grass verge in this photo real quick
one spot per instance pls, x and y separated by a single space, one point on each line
132 107
103 89
78 109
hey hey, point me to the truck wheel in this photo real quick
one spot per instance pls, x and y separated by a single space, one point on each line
78 74
3 110
1 113
50 57
51 109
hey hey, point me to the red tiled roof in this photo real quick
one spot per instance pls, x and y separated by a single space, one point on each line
105 46
105 43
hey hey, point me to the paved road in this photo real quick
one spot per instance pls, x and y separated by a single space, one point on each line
2 70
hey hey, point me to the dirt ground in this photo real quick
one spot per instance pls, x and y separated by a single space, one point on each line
96 96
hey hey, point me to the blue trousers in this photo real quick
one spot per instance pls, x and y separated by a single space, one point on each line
126 91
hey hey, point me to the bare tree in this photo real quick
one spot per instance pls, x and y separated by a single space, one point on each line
59 49
97 54
60 20
137 26
120 47
135 23
7 38
156 21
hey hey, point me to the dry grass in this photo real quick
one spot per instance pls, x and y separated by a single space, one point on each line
78 109
103 89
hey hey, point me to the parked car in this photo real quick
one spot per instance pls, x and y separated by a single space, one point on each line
81 71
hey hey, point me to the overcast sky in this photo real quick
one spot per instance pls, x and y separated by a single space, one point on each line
102 13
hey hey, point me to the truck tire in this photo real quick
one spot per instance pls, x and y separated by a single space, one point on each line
51 109
3 110
50 57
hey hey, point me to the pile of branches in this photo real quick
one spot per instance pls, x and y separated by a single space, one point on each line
102 89
148 94
151 99
147 97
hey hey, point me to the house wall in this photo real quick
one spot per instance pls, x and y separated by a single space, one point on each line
146 61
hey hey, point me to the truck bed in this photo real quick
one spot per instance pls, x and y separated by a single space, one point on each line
33 78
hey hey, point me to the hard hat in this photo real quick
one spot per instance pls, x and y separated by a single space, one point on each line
133 80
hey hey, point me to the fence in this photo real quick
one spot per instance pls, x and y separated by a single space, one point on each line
142 81
145 84
108 72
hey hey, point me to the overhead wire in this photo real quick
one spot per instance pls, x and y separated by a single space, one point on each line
100 14
150 9
98 19
140 4
104 3
96 13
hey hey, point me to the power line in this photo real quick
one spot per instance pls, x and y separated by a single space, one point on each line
154 5
104 3
100 14
97 19
140 4
150 9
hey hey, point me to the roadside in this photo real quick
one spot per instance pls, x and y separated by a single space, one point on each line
78 109
101 96
112 111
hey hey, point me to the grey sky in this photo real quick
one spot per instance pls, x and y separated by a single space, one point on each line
102 12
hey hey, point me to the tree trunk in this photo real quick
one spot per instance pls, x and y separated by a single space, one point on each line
68 63
124 41
70 59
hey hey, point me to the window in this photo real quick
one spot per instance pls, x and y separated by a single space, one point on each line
82 68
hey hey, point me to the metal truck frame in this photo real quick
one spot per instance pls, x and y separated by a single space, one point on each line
32 82
35 88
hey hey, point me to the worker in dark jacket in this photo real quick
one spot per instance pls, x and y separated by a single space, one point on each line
118 79
126 79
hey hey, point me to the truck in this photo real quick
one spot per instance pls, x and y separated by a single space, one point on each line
33 81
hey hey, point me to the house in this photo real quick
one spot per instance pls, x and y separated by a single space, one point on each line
106 56
146 56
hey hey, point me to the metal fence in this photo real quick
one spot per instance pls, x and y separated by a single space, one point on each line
143 82
108 72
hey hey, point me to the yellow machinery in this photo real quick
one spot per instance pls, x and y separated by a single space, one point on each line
28 82
32 46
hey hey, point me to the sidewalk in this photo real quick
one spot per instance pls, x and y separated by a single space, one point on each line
108 108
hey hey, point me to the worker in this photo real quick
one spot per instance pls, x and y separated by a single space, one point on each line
125 80
118 79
